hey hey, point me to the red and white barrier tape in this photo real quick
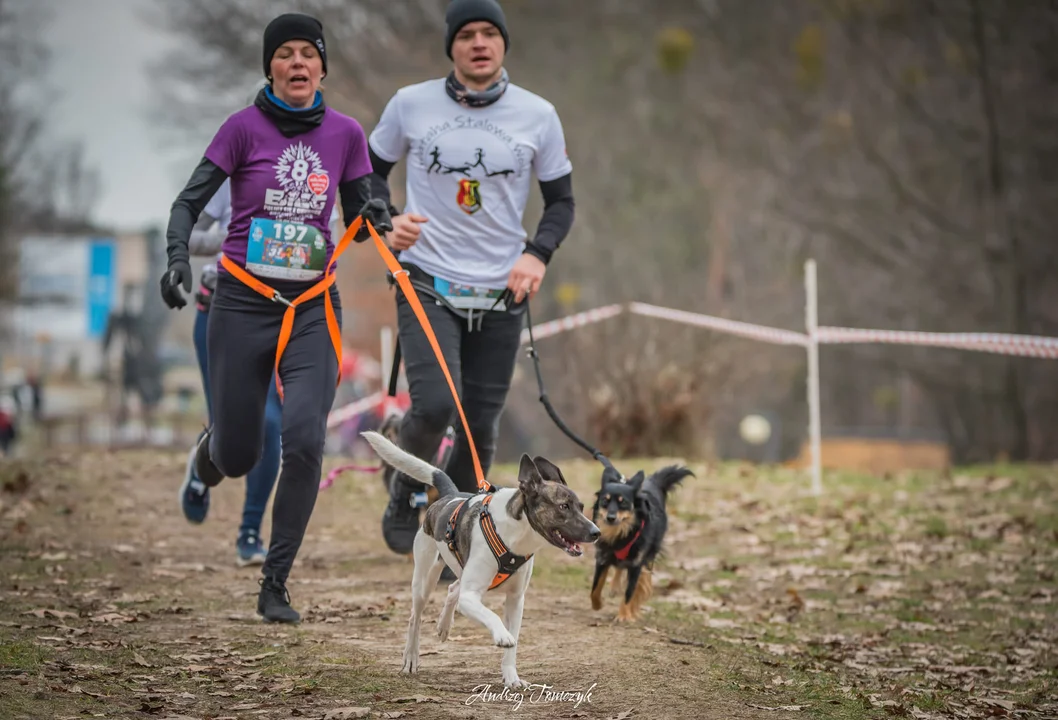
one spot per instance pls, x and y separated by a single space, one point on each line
327 481
999 343
733 327
1003 344
340 415
588 317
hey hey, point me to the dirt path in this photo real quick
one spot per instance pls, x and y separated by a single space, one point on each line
113 606
139 614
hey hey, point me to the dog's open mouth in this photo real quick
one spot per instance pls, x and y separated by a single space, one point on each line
571 548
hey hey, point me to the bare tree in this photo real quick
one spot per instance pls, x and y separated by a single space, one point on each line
716 144
216 68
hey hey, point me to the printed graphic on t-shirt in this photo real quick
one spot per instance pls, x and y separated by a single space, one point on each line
469 196
303 184
474 153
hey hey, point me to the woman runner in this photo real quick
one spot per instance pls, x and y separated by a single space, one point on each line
288 156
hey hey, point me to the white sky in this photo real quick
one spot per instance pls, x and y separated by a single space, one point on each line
100 50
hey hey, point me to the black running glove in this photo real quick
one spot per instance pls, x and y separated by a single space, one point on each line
376 211
176 275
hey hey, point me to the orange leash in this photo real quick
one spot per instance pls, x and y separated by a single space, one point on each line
323 286
401 276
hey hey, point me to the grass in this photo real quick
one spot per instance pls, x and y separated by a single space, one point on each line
888 576
22 656
936 527
564 575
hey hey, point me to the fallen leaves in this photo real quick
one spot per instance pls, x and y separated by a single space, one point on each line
679 641
78 690
339 612
346 713
245 706
260 656
904 599
906 592
48 612
16 483
114 617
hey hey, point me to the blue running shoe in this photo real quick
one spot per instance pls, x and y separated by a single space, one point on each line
194 495
249 548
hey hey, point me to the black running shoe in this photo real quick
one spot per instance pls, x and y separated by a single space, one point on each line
401 520
273 602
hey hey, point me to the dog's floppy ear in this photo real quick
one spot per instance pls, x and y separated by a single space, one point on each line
549 471
529 480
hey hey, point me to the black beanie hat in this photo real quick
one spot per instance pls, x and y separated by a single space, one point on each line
292 26
461 12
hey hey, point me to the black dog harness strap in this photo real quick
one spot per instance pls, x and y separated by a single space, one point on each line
507 563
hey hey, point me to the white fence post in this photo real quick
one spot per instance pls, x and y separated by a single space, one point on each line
812 326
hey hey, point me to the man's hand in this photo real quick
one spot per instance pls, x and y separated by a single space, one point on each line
526 276
405 231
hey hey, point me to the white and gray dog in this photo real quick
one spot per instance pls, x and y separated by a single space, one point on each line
488 539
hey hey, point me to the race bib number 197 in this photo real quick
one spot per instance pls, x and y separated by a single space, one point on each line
286 250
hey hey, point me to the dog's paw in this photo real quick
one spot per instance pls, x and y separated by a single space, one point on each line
511 680
411 665
596 603
443 629
503 639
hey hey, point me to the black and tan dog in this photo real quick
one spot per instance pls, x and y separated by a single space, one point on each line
632 518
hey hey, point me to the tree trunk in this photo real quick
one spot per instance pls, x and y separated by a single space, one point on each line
1011 280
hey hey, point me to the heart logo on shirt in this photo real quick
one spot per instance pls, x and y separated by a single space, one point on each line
318 183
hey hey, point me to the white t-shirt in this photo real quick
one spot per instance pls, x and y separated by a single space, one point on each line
469 172
219 206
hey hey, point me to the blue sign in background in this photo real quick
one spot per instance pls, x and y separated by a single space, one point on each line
101 285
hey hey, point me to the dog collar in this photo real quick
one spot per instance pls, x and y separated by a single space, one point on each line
622 554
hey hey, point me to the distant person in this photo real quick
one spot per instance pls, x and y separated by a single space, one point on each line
36 396
8 426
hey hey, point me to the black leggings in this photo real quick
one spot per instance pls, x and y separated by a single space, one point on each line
481 362
242 336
